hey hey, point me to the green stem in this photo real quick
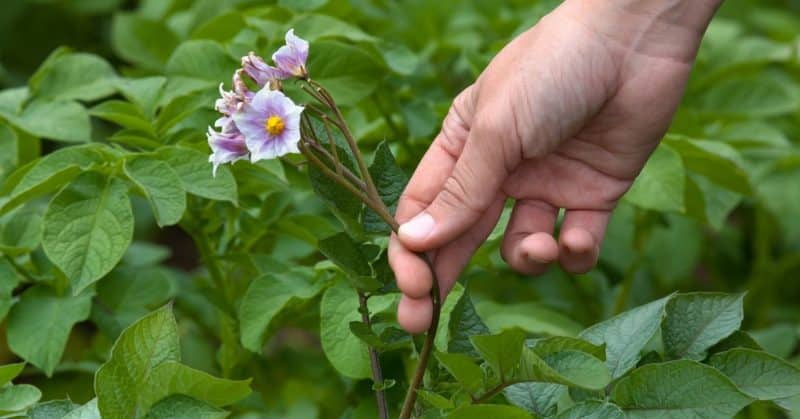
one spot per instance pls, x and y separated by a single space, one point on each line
377 374
20 270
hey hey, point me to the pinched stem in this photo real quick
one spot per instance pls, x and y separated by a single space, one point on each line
365 190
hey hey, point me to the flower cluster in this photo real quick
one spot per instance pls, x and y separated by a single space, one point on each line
264 124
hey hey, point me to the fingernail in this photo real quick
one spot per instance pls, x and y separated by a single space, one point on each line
419 227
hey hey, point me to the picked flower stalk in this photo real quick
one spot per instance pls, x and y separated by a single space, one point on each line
267 124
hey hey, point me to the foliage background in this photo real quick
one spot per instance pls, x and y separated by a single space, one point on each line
717 209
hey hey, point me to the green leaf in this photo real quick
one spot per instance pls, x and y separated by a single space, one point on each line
87 411
73 76
347 255
124 114
194 170
201 59
128 293
553 344
48 174
315 26
592 409
626 334
144 92
758 374
737 339
345 351
483 411
162 187
22 233
572 368
266 297
697 321
65 121
221 28
9 372
751 97
465 322
8 143
54 409
714 160
87 228
538 398
464 370
390 180
501 351
179 406
18 398
435 400
40 324
660 185
172 377
530 317
347 72
142 41
121 383
684 389
342 202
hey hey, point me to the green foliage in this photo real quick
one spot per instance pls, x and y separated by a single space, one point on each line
111 221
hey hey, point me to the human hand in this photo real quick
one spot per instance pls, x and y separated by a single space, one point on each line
565 116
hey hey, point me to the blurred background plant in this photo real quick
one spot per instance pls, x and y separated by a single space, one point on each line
716 209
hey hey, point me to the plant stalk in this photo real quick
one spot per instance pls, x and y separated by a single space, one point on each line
368 193
375 364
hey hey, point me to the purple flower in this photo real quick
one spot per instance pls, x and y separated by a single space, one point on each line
226 146
291 58
261 72
270 124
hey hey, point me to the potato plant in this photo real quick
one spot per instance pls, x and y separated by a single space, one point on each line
190 229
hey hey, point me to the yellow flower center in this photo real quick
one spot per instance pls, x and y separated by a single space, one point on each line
275 125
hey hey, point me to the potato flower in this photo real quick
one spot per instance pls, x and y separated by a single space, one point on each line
270 124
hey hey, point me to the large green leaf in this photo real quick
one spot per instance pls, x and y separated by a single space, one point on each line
501 351
531 317
48 174
162 187
53 409
87 228
758 374
17 398
464 322
266 297
464 370
172 377
346 352
9 372
592 410
752 97
538 398
142 41
390 180
660 185
65 121
40 324
124 114
22 233
697 321
87 411
678 389
194 170
184 407
626 334
347 255
483 411
120 383
201 59
73 76
347 72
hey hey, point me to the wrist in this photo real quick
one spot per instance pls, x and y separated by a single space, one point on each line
661 27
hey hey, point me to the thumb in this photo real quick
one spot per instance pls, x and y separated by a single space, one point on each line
468 191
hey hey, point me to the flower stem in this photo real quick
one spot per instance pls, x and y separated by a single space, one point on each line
370 196
377 374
